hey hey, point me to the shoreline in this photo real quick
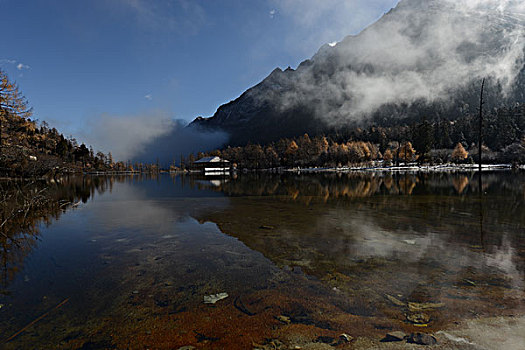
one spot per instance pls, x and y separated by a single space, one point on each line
486 332
413 168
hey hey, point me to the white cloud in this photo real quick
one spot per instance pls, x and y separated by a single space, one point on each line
272 13
421 52
148 97
126 135
21 66
4 62
147 136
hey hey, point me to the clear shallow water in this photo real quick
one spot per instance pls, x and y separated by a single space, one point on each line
360 254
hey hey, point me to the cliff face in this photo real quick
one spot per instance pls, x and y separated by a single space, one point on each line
425 58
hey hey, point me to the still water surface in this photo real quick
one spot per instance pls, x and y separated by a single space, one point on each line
303 258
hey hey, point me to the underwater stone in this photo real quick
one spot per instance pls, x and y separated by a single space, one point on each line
212 299
394 336
418 318
424 306
284 319
394 300
422 339
344 338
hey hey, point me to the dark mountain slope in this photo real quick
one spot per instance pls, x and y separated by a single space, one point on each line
425 58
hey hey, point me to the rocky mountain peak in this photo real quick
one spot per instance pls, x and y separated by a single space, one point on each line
424 55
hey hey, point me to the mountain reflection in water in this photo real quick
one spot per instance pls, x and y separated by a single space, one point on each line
418 236
356 253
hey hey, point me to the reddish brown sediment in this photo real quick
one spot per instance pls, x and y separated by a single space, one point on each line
312 315
297 272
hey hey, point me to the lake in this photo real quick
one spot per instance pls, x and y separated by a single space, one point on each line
126 262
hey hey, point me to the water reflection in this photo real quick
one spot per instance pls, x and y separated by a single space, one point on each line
334 186
332 252
25 206
420 237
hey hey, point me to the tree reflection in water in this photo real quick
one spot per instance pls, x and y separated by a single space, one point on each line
418 235
26 205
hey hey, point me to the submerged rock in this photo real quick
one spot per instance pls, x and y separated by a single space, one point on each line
284 319
344 338
418 318
422 339
212 299
394 300
394 336
424 306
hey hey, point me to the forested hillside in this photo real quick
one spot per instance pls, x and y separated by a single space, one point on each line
427 141
31 149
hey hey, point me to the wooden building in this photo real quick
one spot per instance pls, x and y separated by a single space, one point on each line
212 166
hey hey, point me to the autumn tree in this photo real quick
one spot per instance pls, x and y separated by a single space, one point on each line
290 153
12 103
215 153
407 152
355 152
459 154
387 157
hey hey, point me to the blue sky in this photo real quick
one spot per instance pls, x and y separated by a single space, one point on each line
79 61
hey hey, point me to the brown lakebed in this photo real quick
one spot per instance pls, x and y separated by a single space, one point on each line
303 259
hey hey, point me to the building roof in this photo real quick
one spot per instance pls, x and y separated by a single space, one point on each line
212 160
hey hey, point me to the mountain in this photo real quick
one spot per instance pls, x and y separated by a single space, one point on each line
424 58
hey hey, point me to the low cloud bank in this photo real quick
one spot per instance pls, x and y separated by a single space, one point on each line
180 140
424 50
149 137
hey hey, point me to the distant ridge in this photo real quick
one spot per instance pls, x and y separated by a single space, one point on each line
424 58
